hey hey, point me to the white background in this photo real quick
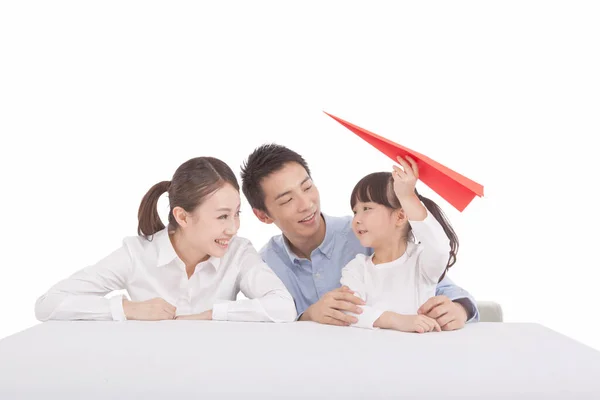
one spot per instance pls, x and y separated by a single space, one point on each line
100 100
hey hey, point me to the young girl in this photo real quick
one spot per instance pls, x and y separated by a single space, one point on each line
193 269
413 246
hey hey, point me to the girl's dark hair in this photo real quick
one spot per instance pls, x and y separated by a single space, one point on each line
192 182
378 188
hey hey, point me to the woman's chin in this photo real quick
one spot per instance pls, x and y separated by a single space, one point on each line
216 250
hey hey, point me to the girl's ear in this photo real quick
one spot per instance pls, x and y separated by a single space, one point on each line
400 217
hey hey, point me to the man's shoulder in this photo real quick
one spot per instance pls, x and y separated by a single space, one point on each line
273 252
339 225
272 244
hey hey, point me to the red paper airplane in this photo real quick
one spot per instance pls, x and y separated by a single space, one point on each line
456 189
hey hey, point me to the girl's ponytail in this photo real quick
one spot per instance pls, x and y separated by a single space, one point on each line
439 215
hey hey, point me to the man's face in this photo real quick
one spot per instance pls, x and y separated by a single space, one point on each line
292 202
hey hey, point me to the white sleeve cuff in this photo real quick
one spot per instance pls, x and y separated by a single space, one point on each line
219 312
116 308
367 318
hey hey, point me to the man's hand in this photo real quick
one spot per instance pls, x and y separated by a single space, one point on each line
203 316
329 309
450 315
150 310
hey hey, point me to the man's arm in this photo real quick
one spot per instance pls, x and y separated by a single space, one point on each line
329 309
331 306
452 307
458 295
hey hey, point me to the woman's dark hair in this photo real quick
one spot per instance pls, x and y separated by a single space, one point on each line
192 182
378 188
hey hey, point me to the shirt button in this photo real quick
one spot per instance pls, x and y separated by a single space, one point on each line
317 275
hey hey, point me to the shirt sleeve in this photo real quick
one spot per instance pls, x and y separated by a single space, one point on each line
353 277
267 300
81 296
435 244
457 294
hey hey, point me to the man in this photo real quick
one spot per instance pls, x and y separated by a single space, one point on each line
313 248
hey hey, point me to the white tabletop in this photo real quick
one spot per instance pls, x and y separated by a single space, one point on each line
209 359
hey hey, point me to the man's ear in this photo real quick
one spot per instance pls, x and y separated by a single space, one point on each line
262 216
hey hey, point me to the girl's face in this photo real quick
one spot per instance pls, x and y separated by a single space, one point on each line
375 225
210 227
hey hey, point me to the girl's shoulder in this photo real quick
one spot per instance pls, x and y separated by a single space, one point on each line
358 262
361 258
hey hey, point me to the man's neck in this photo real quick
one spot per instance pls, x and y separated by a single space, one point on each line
304 246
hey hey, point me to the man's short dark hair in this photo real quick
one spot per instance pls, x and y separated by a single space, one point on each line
264 161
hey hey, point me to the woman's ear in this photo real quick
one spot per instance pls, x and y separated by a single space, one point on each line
181 216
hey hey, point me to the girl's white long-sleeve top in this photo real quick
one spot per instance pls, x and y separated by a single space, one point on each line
404 284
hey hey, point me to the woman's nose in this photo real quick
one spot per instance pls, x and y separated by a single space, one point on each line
232 228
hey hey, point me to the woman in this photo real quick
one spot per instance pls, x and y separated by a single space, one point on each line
193 269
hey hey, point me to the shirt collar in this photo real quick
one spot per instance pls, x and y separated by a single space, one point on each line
286 246
326 247
166 252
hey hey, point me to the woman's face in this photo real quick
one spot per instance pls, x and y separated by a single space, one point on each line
214 222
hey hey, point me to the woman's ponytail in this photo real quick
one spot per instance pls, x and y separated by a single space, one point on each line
148 219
